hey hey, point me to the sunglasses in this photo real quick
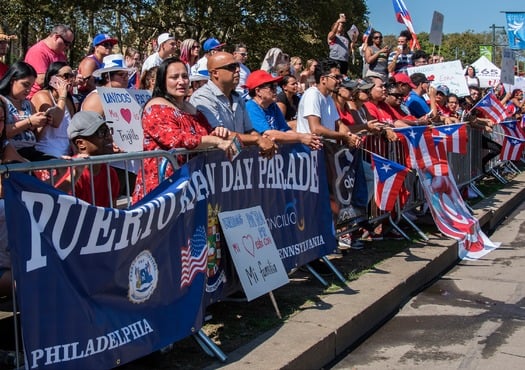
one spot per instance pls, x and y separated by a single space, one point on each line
232 67
67 43
107 45
335 77
243 54
103 131
196 47
377 37
396 95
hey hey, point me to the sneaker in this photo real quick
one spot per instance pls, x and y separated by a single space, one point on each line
345 242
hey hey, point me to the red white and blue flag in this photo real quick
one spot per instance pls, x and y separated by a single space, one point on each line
512 149
403 16
419 146
367 33
512 129
490 106
440 167
388 181
455 137
194 257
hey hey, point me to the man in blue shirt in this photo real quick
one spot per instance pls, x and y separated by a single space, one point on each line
415 102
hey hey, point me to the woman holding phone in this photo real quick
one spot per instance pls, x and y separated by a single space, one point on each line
56 102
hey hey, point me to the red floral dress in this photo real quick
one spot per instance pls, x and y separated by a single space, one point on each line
167 128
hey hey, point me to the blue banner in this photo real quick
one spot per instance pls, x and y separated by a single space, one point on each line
292 190
99 287
516 30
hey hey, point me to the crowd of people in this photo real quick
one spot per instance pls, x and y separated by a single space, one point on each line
206 97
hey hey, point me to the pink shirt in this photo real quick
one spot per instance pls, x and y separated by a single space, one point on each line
40 56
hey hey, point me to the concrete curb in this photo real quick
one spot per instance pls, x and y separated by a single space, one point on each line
313 338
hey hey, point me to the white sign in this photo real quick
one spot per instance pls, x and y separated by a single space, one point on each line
123 107
507 67
447 73
253 251
436 29
487 73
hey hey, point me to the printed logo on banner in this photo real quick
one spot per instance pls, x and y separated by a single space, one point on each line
143 277
289 217
214 272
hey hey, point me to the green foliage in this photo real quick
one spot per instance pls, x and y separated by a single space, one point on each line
298 27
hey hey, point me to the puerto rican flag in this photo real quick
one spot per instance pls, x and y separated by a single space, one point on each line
512 149
455 137
403 16
367 33
440 167
194 257
491 108
512 129
419 146
388 181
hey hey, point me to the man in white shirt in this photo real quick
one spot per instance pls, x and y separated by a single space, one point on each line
241 55
166 47
317 113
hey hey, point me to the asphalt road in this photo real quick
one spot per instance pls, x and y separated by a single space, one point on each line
471 318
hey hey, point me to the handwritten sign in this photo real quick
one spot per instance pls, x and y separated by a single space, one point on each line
253 251
123 107
447 73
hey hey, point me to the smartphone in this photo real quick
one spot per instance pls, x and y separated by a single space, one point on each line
50 110
53 82
342 15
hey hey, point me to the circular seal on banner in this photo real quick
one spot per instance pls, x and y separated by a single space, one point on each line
143 277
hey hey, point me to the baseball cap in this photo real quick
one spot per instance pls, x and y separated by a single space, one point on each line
420 78
211 44
443 89
402 78
104 37
163 37
356 84
112 63
201 75
258 78
84 123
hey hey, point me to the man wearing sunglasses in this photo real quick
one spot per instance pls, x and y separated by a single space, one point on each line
46 51
223 106
317 113
101 48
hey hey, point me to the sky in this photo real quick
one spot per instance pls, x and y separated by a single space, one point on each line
459 15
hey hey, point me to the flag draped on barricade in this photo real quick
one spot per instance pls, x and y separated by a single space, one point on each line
454 135
99 287
403 16
490 107
452 216
388 181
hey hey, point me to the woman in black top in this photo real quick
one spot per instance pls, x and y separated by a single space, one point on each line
288 100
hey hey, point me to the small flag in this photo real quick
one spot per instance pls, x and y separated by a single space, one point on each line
403 16
490 106
455 137
388 180
512 129
367 33
419 146
512 149
194 257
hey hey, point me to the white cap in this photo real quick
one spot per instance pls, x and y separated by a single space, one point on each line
163 37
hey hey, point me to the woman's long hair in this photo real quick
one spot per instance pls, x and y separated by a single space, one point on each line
17 71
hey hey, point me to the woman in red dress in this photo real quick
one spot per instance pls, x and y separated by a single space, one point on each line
170 122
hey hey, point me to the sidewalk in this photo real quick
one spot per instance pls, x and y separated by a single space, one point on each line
313 338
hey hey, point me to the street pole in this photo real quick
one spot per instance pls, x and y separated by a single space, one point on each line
494 40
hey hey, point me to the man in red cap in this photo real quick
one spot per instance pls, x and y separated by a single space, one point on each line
267 118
